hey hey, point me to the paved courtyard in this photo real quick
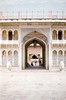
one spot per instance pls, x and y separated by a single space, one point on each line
32 85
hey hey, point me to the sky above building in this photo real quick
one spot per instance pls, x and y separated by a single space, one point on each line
31 5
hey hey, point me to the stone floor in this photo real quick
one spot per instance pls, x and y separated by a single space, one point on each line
32 85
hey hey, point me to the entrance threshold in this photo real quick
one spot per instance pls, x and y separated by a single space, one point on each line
35 67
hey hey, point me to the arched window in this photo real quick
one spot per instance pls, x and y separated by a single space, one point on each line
65 58
65 34
60 56
54 35
10 56
10 35
59 35
60 52
4 58
54 57
15 58
4 35
15 35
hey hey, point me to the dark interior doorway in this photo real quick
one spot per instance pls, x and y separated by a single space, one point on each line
10 35
60 35
35 54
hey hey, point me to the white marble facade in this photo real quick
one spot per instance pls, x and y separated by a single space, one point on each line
14 37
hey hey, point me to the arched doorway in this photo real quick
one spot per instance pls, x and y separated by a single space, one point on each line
35 54
10 56
42 41
15 58
4 58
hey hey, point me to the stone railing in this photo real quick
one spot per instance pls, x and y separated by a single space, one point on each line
58 41
9 42
32 15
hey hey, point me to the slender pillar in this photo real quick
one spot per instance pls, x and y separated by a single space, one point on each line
62 35
50 57
20 56
13 58
50 50
57 35
0 48
23 57
57 58
63 56
0 58
0 34
47 57
20 50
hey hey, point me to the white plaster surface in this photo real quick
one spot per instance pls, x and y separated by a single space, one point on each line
32 85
